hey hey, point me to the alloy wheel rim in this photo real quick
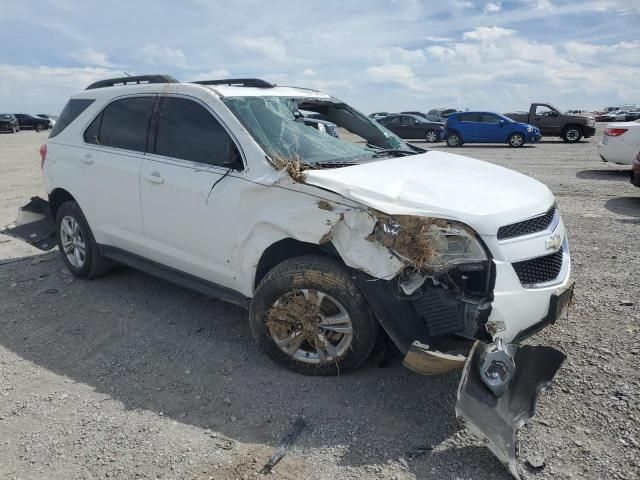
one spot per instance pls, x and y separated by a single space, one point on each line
310 326
73 244
572 134
453 140
431 137
516 140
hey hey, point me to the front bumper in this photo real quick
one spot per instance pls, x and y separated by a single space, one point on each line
533 137
588 131
497 417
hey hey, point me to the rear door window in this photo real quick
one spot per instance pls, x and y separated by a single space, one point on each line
490 118
70 112
469 117
188 131
123 124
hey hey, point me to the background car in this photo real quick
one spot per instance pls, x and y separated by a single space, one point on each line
30 121
440 114
488 127
620 143
413 126
633 115
420 114
8 123
620 115
52 118
378 115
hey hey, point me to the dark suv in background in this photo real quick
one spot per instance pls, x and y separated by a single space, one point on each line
30 121
8 123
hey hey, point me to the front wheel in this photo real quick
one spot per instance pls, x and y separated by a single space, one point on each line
516 140
572 134
309 316
432 136
454 140
38 127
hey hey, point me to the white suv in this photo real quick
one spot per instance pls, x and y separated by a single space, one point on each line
219 186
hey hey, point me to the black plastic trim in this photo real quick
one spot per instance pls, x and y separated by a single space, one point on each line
145 79
238 82
175 276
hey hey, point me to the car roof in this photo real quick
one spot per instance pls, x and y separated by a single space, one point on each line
220 90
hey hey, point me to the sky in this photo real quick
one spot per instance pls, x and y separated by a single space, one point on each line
379 55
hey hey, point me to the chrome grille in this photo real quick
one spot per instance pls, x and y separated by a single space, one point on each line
539 270
526 227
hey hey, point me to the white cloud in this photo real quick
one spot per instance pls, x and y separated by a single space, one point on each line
441 52
439 39
391 72
492 7
209 75
157 55
463 3
487 34
401 55
92 57
269 47
623 7
43 88
546 5
308 72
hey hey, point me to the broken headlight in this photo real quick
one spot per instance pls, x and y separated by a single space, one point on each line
431 244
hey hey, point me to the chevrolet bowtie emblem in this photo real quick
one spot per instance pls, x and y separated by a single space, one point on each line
553 242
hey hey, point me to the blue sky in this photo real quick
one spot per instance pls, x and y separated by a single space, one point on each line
378 55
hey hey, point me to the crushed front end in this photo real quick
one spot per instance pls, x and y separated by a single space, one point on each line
466 300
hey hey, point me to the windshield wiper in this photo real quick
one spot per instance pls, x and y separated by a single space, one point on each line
398 152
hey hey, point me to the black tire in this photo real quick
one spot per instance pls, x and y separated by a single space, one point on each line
516 140
454 139
94 264
38 127
432 136
329 277
572 134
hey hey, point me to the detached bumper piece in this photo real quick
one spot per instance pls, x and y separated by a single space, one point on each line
494 410
34 225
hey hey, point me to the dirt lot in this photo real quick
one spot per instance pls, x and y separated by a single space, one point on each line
128 376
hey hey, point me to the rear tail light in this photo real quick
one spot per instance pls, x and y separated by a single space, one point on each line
615 132
43 154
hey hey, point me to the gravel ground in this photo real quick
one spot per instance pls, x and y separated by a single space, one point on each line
129 376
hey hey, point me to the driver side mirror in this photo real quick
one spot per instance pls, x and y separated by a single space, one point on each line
234 160
554 113
501 122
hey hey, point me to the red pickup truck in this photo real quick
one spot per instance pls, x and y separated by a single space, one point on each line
552 123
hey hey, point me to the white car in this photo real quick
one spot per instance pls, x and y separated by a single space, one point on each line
620 143
620 115
216 186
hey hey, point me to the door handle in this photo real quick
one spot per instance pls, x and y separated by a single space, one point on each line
87 159
154 177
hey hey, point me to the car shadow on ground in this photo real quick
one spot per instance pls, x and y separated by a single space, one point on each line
604 174
628 206
155 346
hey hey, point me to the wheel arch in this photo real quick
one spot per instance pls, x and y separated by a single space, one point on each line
57 197
286 248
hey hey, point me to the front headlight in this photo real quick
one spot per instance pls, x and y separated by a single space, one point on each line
530 129
430 244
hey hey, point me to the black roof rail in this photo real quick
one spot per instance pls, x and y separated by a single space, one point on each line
111 82
238 82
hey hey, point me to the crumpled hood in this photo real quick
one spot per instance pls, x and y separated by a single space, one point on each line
438 184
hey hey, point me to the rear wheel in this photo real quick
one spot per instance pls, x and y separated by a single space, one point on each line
308 316
454 139
78 248
572 134
38 127
516 140
432 136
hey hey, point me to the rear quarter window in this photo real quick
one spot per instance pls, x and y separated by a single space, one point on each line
70 112
122 124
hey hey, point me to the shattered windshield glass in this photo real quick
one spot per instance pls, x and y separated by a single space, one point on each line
278 126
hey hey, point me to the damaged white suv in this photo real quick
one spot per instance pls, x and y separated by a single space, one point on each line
221 186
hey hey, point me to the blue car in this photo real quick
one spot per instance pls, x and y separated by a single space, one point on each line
487 127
